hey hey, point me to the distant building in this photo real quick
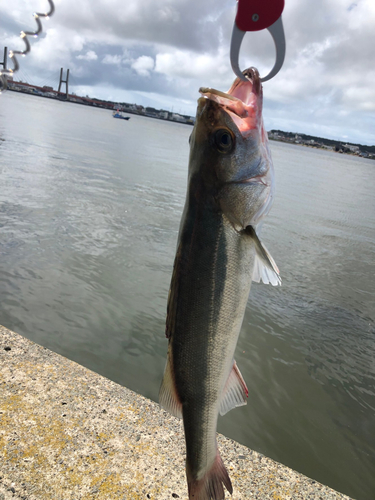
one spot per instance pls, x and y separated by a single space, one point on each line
178 118
353 149
273 135
152 112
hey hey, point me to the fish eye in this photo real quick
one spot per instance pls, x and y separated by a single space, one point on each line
224 141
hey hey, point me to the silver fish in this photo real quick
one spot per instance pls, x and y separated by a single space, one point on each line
230 190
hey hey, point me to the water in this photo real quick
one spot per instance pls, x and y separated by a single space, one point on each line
89 214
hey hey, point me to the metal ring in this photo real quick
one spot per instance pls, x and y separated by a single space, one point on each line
277 32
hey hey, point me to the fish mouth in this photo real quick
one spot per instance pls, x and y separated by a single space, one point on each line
259 179
243 101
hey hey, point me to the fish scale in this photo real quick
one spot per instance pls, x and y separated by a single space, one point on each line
207 331
230 189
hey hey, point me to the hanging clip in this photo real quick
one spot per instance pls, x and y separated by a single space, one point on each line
256 15
24 34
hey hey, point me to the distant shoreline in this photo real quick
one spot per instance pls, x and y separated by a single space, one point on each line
135 109
274 135
322 143
369 157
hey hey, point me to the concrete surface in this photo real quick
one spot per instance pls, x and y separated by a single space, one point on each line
69 433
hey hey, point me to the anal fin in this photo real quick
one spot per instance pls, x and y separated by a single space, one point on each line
235 391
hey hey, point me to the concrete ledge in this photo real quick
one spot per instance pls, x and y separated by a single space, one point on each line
69 433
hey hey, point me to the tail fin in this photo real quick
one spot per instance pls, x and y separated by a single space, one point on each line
210 486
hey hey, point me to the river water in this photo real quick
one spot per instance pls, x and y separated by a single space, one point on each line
89 214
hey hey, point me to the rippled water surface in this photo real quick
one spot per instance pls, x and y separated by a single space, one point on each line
89 214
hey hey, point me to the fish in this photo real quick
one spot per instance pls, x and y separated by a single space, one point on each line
230 190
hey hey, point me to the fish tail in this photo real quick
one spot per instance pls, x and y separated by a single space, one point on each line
210 486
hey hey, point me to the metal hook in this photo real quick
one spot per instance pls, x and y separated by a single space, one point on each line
24 34
277 32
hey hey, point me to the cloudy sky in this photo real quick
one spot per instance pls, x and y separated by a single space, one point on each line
158 53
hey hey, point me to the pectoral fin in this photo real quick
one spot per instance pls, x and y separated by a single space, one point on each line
265 268
235 391
168 397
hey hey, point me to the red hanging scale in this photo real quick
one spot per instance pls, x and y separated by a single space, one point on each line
256 15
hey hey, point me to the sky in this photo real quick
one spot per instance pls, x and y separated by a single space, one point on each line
158 53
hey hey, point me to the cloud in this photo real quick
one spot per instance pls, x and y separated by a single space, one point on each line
185 64
89 56
143 65
49 52
182 23
109 59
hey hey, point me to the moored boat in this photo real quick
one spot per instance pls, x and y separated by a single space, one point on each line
118 114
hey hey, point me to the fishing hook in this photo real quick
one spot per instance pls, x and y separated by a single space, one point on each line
24 34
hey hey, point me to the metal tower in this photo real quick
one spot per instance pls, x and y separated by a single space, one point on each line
4 62
64 81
